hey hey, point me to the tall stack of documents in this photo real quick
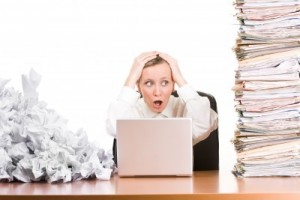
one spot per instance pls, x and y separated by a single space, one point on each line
267 88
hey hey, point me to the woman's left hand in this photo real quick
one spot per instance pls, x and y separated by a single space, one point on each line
176 73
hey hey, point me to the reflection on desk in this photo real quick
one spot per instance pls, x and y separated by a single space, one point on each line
202 185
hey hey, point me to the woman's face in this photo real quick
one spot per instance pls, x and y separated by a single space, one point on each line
156 85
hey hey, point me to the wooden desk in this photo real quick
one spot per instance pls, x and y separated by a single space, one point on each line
203 185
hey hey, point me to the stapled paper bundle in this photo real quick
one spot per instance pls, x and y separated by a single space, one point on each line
267 88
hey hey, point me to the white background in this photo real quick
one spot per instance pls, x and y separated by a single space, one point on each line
84 49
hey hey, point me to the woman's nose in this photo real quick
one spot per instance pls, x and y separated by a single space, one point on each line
157 91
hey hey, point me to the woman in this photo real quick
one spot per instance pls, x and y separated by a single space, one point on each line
155 75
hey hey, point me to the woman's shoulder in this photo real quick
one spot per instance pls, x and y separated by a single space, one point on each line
176 101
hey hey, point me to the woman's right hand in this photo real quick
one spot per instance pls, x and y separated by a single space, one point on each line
137 67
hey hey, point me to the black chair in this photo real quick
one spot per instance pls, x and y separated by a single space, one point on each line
206 152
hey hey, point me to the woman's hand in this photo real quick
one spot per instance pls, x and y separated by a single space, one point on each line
137 67
176 73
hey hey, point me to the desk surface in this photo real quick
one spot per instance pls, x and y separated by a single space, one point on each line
202 185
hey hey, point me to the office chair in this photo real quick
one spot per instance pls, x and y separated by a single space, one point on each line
206 152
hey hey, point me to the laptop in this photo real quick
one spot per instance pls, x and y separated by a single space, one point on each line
154 147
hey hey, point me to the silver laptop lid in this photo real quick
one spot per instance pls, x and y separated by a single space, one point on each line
155 147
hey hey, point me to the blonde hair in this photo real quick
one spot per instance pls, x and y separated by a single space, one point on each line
155 61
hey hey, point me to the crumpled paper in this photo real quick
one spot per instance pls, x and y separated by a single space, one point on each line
36 144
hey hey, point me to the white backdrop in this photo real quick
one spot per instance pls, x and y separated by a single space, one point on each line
84 49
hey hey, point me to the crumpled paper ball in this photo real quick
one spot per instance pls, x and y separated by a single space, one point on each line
36 144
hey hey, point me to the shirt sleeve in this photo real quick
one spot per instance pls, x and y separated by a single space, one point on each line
198 108
122 107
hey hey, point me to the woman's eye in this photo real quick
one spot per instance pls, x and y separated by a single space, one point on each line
164 83
148 83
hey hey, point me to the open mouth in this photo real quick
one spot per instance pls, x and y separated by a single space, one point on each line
158 102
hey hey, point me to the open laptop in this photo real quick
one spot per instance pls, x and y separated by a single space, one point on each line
154 147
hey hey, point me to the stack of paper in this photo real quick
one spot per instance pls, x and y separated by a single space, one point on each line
267 26
267 88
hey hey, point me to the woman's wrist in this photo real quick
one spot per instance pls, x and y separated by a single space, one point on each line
181 82
130 83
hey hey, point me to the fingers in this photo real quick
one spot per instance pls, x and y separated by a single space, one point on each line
172 62
145 57
142 59
137 67
167 57
176 73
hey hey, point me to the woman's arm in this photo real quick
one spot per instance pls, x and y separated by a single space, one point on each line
198 108
122 107
125 105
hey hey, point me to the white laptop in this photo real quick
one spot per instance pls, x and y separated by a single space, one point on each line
154 147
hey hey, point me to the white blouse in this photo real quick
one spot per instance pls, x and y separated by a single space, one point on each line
189 104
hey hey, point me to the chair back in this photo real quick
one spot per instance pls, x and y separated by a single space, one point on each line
206 152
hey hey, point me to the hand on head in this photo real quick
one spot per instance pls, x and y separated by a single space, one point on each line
176 73
142 59
137 67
